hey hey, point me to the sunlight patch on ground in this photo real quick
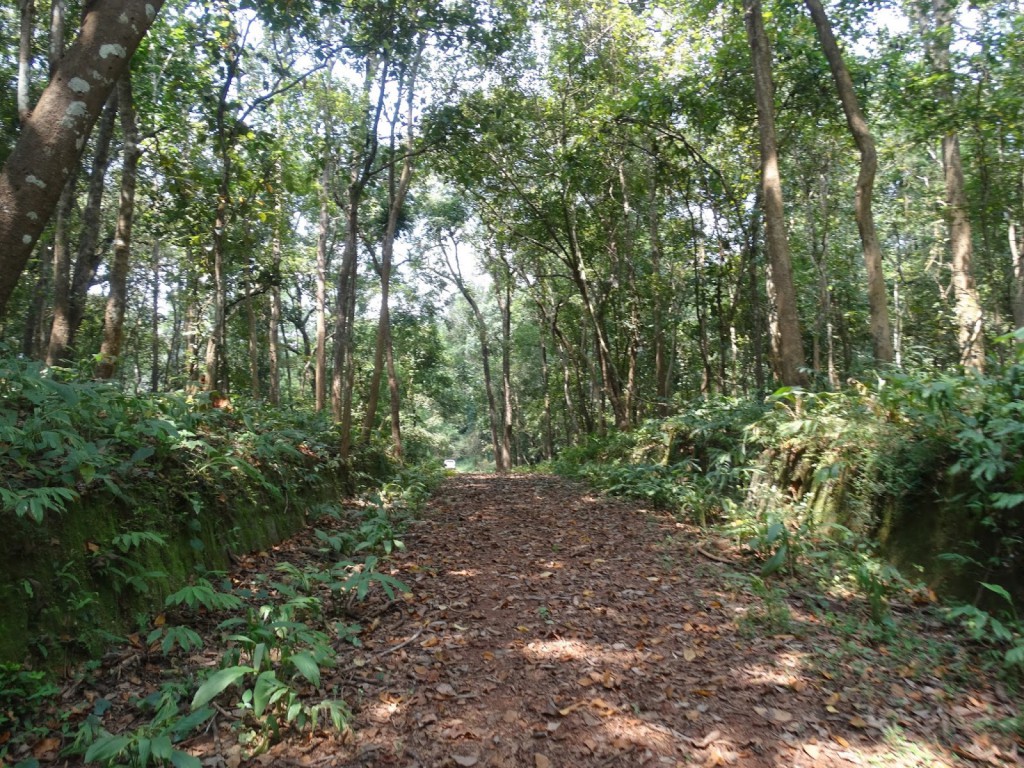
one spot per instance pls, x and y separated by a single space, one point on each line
899 751
468 572
386 706
577 650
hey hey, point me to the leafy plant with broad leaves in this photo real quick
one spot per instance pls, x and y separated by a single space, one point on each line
152 743
1006 633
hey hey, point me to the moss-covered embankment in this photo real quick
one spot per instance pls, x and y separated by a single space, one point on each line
103 566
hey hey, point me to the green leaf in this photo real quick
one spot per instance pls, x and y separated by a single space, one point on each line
142 454
106 748
217 682
1007 500
181 759
268 689
307 666
775 562
1015 656
162 748
999 591
144 747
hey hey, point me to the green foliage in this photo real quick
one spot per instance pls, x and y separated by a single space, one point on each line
122 571
201 594
1005 632
152 743
24 698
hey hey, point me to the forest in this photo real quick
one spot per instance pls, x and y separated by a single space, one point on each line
266 264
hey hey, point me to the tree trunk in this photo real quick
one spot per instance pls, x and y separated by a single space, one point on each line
154 323
398 188
1016 237
936 28
455 270
360 170
33 340
394 398
55 134
787 344
505 306
70 310
28 12
881 333
113 320
217 376
58 11
970 321
323 236
254 339
274 321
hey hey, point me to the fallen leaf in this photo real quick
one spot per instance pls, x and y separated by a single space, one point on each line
541 761
45 747
444 689
841 741
779 715
510 716
603 707
812 750
708 739
858 722
466 760
565 712
689 654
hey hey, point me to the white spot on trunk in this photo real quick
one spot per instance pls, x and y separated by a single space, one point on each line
27 239
80 142
76 109
113 49
150 12
32 216
35 181
78 85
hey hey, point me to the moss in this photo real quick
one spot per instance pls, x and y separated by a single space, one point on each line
59 582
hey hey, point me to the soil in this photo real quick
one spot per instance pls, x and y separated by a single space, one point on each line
548 625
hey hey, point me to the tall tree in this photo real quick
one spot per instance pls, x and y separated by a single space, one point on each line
787 344
934 20
881 334
117 292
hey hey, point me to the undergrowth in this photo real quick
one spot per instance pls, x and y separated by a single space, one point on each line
170 462
823 481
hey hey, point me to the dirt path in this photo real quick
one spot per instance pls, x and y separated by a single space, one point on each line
553 627
549 626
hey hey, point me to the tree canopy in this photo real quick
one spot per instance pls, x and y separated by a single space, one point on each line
497 227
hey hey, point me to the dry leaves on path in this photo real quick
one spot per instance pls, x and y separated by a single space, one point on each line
551 627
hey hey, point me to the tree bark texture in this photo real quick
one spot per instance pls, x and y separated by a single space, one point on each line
54 135
787 344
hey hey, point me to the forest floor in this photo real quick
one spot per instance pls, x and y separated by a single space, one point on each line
550 626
